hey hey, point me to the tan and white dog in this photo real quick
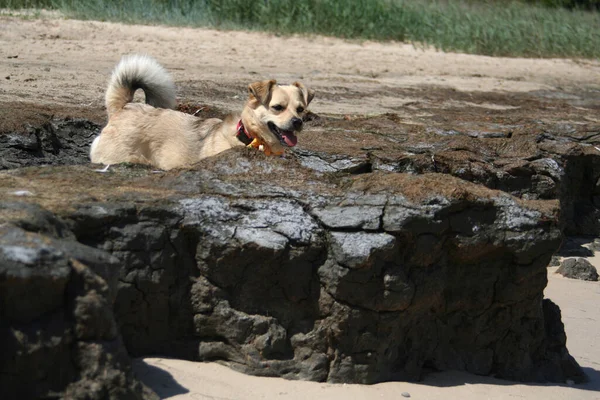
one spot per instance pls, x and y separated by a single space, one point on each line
155 134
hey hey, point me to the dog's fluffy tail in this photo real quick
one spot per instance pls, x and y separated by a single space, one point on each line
139 72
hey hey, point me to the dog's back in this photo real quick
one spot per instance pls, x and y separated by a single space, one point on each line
128 137
139 72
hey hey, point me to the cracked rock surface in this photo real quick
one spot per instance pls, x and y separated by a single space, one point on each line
58 333
286 271
380 248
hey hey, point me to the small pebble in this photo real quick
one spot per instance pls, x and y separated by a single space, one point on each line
570 382
105 169
22 193
405 394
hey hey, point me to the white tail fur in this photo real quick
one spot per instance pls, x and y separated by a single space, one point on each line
139 72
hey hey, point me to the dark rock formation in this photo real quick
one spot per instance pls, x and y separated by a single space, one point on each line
58 335
529 159
377 251
578 268
554 262
54 142
282 271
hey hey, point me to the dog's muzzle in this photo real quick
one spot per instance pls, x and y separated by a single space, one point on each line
286 138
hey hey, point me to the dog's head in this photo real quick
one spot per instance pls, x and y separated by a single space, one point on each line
275 112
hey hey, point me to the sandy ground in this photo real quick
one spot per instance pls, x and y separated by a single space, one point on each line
52 61
63 61
177 379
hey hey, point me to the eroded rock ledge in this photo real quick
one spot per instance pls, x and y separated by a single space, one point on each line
278 270
58 334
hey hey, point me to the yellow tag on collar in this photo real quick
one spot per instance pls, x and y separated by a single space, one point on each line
259 144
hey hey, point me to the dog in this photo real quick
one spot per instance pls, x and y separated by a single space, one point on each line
155 134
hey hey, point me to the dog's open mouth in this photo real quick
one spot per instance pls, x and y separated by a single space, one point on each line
287 138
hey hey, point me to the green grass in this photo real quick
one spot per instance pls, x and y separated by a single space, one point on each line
498 28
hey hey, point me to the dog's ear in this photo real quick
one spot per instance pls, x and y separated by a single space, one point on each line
261 91
307 93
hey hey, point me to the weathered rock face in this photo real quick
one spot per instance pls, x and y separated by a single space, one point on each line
377 251
58 335
54 142
528 159
277 270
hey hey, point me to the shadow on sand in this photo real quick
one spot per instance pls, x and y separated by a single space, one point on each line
576 246
157 379
456 378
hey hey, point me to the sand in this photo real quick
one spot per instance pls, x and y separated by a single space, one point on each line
53 61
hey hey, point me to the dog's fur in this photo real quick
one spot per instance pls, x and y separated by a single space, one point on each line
155 134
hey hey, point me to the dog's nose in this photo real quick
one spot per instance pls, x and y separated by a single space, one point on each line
297 123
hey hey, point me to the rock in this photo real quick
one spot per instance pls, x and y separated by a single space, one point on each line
58 335
324 162
54 142
531 160
358 250
555 261
578 268
374 257
33 218
365 217
528 159
285 272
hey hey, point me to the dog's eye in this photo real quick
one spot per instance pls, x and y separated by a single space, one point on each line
300 110
278 107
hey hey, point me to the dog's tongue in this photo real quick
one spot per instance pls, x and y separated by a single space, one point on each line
289 138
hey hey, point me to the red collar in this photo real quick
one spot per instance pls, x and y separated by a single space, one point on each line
242 134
